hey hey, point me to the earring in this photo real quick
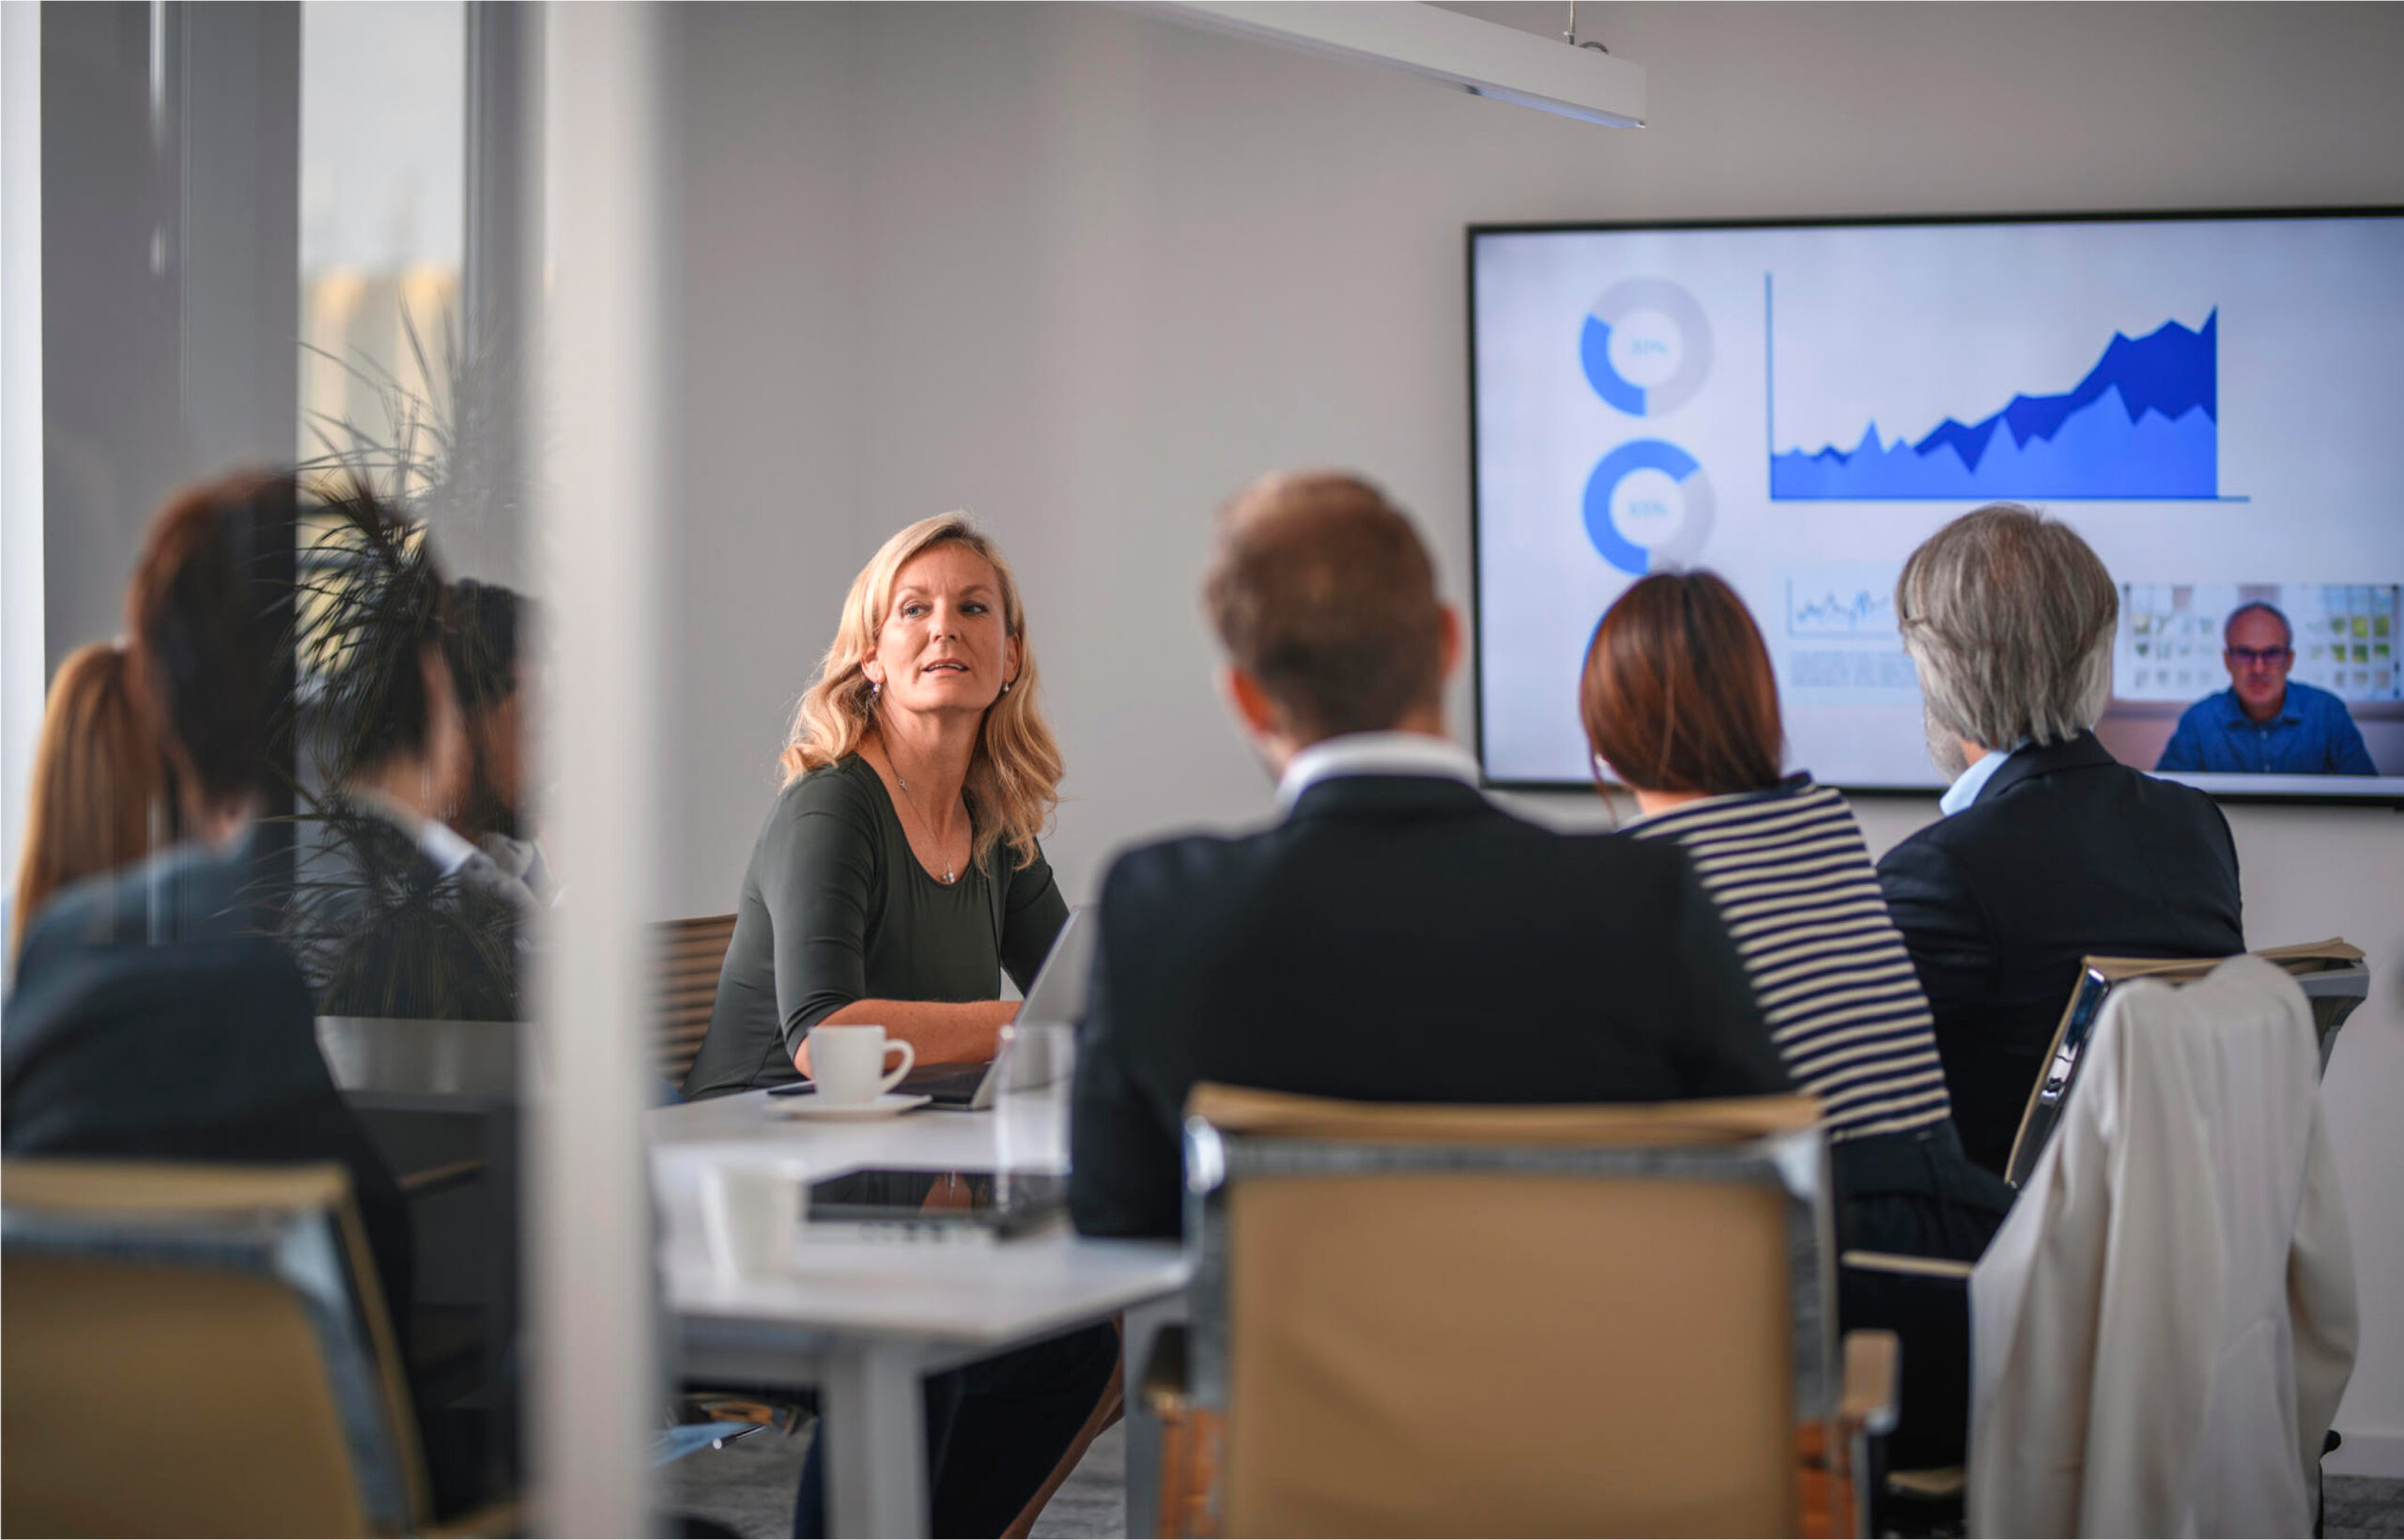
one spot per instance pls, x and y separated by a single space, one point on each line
1007 684
875 687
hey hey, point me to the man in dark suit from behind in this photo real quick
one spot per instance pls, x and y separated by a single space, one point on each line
1396 937
2049 850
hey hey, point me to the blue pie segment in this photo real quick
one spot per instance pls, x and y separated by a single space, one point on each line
1594 351
1671 461
1659 296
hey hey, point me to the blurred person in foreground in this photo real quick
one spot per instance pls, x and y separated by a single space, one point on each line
151 1018
155 1016
205 615
98 782
395 913
1680 701
2049 850
1346 952
2265 723
484 637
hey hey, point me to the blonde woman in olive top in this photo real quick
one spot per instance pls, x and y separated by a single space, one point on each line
898 875
896 880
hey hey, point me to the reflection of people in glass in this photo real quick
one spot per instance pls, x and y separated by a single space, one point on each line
393 913
2266 723
483 630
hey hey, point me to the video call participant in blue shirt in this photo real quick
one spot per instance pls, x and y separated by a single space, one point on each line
2264 723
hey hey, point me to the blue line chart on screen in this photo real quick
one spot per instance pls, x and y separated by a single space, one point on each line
2142 424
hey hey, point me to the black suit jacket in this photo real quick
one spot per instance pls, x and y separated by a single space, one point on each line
186 892
191 1050
1396 939
2066 853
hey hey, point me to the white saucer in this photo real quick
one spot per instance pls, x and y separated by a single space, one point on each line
831 1112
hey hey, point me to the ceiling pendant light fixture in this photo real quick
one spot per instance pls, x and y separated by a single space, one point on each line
1483 58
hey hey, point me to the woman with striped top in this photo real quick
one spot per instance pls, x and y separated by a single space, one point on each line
1794 882
1680 703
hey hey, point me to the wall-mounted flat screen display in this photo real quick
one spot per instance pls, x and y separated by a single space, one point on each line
2215 402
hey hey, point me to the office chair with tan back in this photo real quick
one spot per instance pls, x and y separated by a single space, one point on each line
1509 1320
231 1313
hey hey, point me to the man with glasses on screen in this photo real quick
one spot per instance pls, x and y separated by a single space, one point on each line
2265 723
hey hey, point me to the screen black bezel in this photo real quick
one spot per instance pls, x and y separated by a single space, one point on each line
1932 788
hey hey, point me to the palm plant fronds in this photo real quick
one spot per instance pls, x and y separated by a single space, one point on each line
375 934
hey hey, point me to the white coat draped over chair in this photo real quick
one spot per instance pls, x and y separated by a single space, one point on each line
2166 1323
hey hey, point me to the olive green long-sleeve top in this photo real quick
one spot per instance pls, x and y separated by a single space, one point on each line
836 909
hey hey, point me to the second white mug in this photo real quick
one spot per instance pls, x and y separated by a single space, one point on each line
848 1063
751 1214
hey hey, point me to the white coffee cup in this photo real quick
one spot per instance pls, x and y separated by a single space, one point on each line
848 1064
751 1212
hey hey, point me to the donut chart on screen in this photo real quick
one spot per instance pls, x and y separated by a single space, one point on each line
1663 340
1648 506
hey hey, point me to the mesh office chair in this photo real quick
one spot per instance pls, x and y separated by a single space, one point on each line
1531 1321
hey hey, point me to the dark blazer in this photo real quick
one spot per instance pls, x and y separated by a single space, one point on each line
191 1050
2066 853
186 892
1396 939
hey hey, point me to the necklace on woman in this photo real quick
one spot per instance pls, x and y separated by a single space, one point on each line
949 876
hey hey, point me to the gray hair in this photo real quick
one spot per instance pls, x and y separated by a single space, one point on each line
2257 606
2009 617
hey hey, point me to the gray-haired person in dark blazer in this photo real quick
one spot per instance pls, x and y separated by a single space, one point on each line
2050 850
1396 936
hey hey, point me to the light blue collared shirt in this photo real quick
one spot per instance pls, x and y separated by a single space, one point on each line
2313 735
1965 791
1373 754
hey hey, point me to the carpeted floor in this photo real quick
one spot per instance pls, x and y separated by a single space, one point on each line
748 1488
2364 1506
749 1485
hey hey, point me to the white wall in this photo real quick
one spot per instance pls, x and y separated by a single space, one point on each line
1085 272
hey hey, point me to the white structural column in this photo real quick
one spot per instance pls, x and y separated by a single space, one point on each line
22 679
600 424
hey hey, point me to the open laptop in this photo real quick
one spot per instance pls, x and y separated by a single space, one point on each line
1025 1059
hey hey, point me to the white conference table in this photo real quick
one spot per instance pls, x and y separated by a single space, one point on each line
864 1323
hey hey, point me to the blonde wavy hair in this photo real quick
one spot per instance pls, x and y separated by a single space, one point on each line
1015 774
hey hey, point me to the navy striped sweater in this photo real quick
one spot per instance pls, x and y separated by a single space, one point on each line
1792 879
